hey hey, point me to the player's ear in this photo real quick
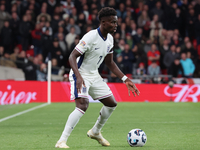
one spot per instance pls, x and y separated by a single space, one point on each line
103 22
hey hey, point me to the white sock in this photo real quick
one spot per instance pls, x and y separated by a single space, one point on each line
73 119
103 117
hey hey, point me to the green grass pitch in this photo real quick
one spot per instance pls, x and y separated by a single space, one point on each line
168 126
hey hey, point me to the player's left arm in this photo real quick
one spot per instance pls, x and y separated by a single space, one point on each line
114 68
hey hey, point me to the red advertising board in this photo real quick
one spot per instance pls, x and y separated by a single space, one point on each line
16 92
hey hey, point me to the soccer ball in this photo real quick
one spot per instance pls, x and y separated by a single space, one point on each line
136 138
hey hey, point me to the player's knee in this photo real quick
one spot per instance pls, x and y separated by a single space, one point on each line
114 104
84 107
82 104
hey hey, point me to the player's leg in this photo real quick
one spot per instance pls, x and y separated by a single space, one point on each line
105 112
100 90
73 119
109 106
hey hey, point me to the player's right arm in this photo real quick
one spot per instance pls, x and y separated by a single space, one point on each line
72 61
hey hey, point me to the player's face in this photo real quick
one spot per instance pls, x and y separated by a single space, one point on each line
111 24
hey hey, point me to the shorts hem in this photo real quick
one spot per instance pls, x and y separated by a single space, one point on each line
73 98
102 97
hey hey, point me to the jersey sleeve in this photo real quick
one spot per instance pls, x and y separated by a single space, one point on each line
84 44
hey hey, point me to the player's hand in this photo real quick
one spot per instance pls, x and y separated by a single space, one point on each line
79 83
131 87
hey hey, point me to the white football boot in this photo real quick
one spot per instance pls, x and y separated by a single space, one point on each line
98 137
61 145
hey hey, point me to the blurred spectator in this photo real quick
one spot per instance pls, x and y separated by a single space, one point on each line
57 53
60 31
42 72
157 11
146 29
178 51
147 46
56 22
47 26
154 36
62 43
25 32
119 63
58 10
14 25
133 30
190 20
176 68
175 41
76 41
168 14
121 44
51 4
139 8
153 69
72 24
127 60
177 20
153 55
189 49
81 21
40 59
186 39
95 21
170 56
137 38
143 19
6 36
21 59
67 5
70 37
36 39
14 55
169 34
29 68
43 16
121 12
140 56
5 60
188 66
155 23
129 40
30 19
74 14
165 48
162 35
141 70
46 40
85 11
112 4
55 69
3 15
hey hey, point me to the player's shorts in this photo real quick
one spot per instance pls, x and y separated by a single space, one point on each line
95 87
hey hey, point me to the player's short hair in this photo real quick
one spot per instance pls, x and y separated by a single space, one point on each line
106 12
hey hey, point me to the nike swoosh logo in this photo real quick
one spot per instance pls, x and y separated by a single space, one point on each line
96 48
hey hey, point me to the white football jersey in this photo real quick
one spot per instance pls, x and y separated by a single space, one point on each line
93 48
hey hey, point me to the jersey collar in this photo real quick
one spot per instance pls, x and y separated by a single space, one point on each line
99 31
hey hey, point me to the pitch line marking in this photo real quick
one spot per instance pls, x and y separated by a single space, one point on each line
23 112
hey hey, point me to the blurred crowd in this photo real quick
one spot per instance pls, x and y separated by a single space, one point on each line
154 37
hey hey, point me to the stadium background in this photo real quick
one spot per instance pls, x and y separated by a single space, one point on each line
35 31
